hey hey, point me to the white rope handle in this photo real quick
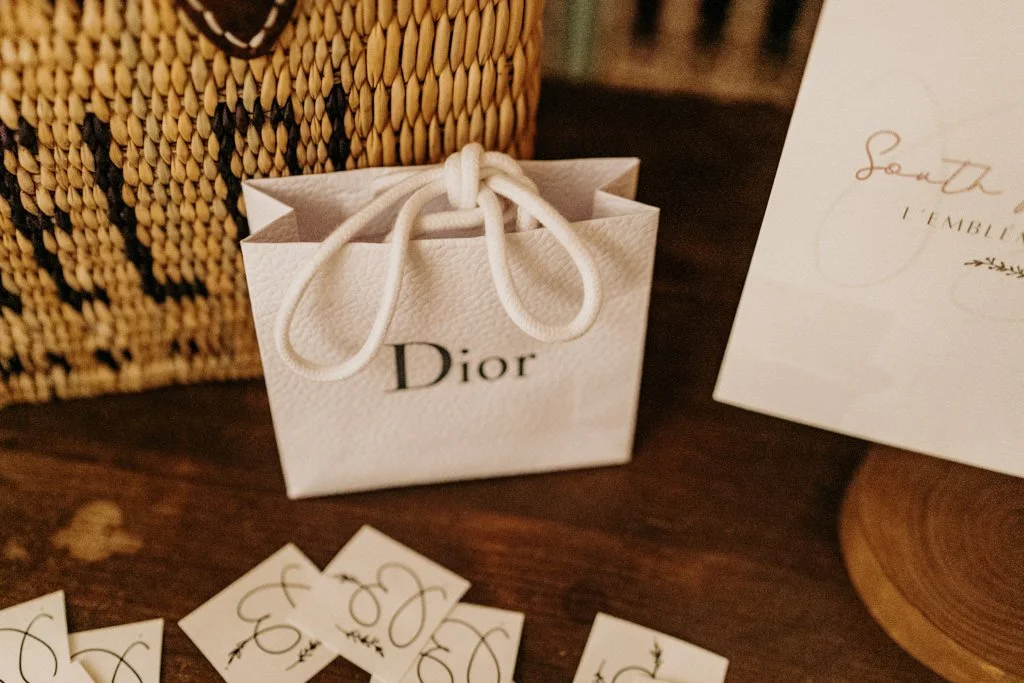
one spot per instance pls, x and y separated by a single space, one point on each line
497 255
472 180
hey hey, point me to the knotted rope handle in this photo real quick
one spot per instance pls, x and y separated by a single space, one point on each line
473 180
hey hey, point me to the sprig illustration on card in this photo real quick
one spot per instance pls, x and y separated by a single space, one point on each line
121 654
34 641
371 642
998 266
621 652
244 632
306 653
405 624
270 635
378 603
633 670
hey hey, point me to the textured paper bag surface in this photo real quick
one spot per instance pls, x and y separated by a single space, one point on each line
458 391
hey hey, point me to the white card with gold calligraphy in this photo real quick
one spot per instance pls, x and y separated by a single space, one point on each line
243 630
886 295
378 603
34 641
473 644
133 651
619 651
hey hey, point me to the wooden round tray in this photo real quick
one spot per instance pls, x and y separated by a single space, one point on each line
936 552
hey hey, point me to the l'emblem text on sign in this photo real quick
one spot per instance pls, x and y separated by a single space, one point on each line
419 365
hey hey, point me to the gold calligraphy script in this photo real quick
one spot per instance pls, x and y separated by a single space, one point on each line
956 177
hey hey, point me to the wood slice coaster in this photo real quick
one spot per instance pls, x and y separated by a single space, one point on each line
936 552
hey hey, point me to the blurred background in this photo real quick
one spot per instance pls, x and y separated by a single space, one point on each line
731 50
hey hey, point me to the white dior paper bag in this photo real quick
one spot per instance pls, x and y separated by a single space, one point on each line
443 323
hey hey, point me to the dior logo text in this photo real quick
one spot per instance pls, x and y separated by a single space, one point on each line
419 365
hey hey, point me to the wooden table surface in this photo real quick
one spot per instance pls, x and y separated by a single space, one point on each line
722 531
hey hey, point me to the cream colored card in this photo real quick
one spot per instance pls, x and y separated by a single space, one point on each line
34 641
378 603
886 295
619 649
134 651
243 631
78 674
473 644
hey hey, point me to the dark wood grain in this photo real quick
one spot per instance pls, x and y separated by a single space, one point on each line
722 532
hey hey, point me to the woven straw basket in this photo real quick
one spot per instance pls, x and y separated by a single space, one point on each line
128 126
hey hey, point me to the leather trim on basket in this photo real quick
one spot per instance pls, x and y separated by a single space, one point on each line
241 29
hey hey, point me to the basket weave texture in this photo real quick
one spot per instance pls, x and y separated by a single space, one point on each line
126 135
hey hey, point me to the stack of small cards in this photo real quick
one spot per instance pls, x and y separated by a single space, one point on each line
397 616
35 646
378 604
